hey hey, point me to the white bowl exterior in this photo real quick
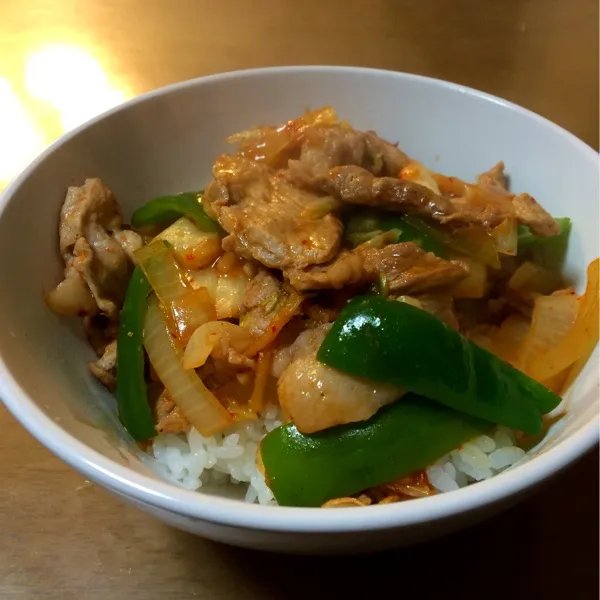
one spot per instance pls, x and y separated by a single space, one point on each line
165 142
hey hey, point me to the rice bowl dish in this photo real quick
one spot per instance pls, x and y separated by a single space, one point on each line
231 321
165 142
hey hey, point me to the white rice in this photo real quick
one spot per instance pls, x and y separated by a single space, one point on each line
195 462
476 460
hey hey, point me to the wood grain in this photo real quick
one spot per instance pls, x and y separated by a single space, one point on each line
62 538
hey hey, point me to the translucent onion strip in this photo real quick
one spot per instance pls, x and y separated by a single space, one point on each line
579 343
188 308
211 335
199 406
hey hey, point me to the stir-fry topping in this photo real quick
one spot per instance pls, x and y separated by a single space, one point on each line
390 311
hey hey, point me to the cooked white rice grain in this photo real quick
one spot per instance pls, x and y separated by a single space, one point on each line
214 463
194 461
479 459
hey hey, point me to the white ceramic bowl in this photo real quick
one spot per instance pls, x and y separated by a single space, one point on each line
165 141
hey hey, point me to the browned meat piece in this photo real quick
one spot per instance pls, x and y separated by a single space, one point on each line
355 185
130 241
327 147
261 289
261 296
72 297
318 397
407 268
404 267
105 367
100 331
532 214
494 178
168 416
266 218
93 246
528 211
347 269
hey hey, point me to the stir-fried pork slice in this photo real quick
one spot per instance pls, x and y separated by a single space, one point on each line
105 368
260 297
317 397
326 147
528 211
355 185
266 216
93 245
404 268
495 178
531 213
168 416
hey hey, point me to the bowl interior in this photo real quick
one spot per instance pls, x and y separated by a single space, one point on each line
166 142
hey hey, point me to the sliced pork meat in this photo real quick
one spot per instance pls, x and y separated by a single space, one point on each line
168 416
105 368
326 147
495 178
260 298
317 397
266 216
94 247
527 210
404 268
355 185
531 213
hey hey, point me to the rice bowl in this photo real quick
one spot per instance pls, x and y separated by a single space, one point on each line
154 493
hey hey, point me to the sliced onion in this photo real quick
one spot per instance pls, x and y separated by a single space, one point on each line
416 172
553 317
211 335
192 247
475 285
204 278
187 308
191 311
507 339
197 404
531 277
269 144
506 237
286 307
580 340
230 294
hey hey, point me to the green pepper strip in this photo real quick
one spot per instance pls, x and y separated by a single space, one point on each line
308 470
164 211
132 396
364 223
548 252
410 348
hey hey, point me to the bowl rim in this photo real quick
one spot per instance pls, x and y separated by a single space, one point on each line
153 492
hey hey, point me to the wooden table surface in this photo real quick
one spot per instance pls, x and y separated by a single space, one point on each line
61 61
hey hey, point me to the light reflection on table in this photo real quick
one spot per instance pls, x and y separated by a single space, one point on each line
64 86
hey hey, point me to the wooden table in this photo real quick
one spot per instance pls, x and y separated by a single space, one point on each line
66 539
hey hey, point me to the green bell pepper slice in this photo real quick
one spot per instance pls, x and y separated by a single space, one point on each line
132 394
166 210
395 342
548 252
308 470
362 225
